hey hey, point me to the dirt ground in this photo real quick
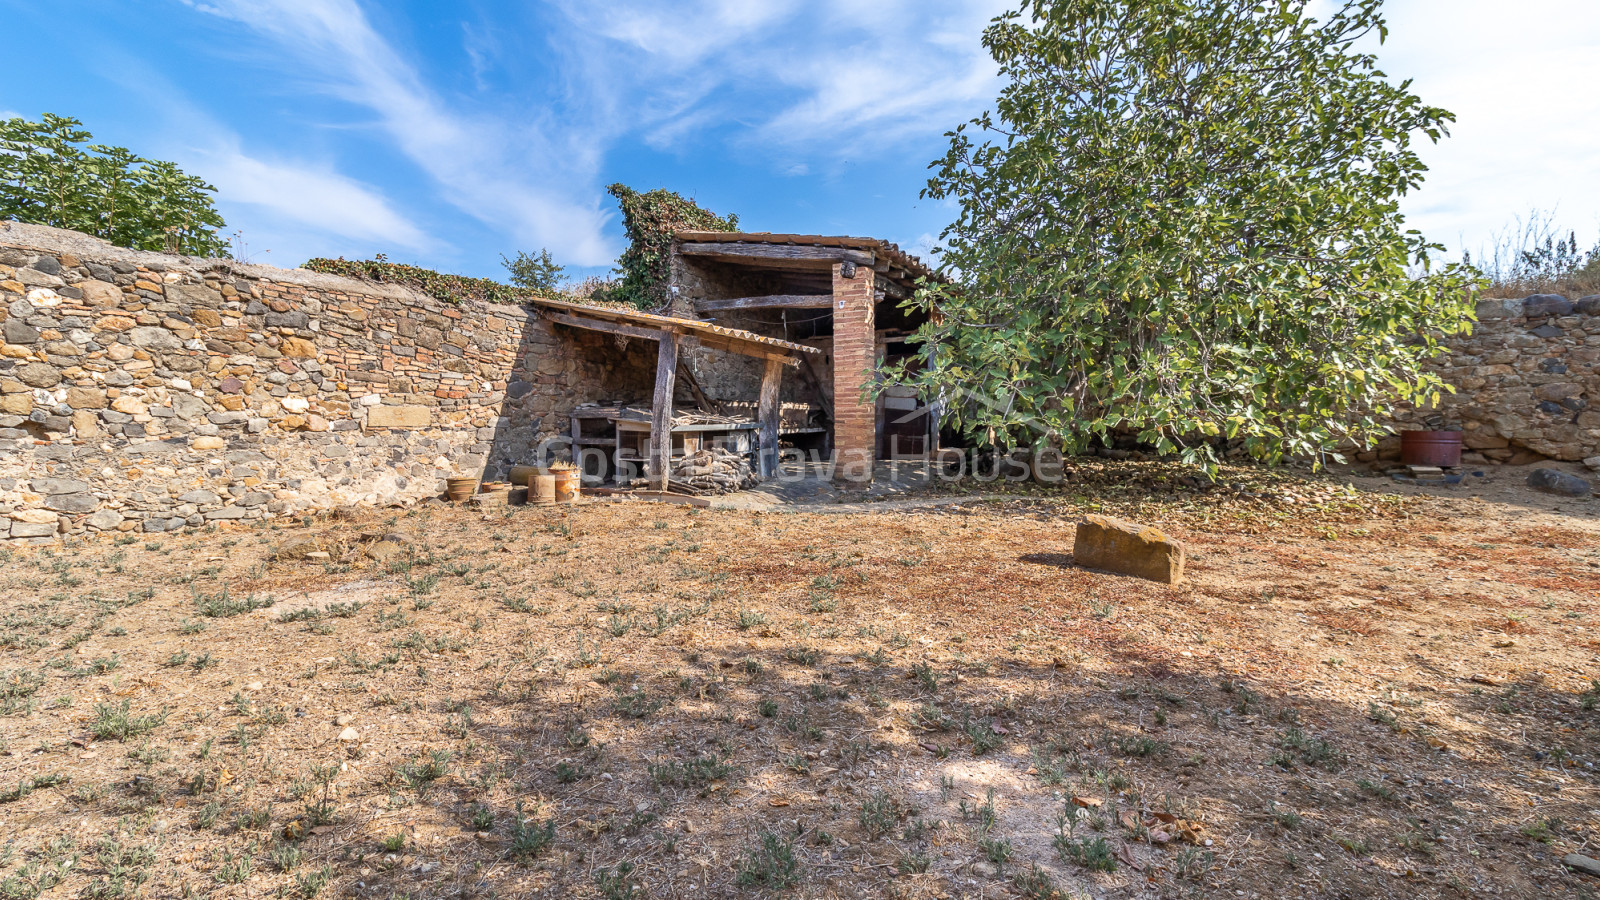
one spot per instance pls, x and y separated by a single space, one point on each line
1363 690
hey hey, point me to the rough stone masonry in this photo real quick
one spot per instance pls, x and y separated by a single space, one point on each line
1527 381
141 391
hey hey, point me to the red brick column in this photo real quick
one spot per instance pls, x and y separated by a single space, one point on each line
855 358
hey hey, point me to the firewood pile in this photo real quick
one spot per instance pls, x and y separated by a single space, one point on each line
713 471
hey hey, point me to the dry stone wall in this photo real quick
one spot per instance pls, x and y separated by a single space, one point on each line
141 391
1527 381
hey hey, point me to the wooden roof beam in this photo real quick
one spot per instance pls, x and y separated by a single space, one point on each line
737 250
775 301
608 327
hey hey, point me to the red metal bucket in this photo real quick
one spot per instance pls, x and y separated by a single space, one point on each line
1430 448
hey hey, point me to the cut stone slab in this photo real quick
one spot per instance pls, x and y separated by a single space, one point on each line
1582 863
398 417
1552 481
1128 548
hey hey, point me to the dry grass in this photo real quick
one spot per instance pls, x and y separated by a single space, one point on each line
615 701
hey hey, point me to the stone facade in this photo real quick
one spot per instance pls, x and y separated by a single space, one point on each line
140 391
1527 381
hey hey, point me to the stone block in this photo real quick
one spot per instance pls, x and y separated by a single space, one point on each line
16 404
1128 549
151 337
1546 305
39 375
30 529
100 293
19 332
86 398
72 503
48 484
299 348
398 417
105 520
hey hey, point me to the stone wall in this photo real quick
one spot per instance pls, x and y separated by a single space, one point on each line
1527 381
140 391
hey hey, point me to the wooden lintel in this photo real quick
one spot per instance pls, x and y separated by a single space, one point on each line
776 301
750 250
648 334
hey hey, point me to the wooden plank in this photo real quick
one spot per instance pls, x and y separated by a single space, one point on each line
623 495
775 301
608 327
745 348
737 250
767 416
694 386
824 389
661 412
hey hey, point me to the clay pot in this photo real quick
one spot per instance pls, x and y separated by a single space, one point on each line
459 489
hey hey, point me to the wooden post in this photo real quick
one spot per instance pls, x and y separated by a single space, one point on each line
767 414
661 412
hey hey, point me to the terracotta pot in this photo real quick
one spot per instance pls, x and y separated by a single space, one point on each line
542 490
459 489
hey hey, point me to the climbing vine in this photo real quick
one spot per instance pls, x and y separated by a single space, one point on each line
650 220
447 288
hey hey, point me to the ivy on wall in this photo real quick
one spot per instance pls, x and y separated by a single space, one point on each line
447 288
650 220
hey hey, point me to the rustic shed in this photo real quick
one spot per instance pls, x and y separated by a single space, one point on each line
664 431
837 295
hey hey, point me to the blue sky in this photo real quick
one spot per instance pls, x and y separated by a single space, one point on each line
446 134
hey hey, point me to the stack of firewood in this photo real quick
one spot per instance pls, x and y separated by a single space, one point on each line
715 471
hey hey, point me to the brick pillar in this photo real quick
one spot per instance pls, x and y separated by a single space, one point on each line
855 358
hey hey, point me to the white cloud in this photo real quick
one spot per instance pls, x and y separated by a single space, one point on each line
517 176
1521 86
319 198
838 78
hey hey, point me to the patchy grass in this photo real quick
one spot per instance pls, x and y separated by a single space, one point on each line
1354 695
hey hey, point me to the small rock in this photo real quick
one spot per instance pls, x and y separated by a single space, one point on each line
1553 481
1593 462
349 734
317 554
383 550
254 686
343 719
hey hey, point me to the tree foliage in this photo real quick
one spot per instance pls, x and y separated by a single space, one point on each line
539 274
51 175
1182 220
651 219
